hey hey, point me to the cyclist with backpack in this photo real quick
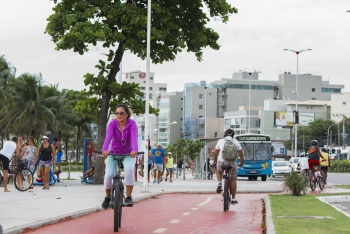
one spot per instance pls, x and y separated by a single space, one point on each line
226 152
314 155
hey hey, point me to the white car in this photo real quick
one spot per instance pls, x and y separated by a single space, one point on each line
280 168
293 164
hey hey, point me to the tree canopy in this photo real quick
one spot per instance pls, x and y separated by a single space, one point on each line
122 25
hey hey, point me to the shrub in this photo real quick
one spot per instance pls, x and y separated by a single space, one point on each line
74 166
295 184
343 165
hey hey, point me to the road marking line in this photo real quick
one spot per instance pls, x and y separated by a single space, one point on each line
186 213
205 202
175 221
194 208
160 230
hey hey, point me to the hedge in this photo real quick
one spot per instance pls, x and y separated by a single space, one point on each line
343 165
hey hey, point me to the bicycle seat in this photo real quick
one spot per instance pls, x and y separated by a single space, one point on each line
226 167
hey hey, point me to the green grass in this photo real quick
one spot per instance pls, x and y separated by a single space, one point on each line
343 186
309 205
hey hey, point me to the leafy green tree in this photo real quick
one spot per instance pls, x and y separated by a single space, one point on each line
122 25
186 149
317 130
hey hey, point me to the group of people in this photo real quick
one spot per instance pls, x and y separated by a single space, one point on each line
316 157
28 153
161 163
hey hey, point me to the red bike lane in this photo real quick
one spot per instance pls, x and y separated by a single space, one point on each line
173 213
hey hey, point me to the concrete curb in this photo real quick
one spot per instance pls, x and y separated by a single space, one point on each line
270 227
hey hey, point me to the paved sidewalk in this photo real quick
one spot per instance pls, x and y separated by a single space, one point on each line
21 211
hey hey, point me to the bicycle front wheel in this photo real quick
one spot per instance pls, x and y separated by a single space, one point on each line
226 195
118 194
23 180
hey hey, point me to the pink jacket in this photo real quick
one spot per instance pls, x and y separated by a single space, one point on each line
121 142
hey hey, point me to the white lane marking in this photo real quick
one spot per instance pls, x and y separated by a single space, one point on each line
186 213
205 202
160 230
175 221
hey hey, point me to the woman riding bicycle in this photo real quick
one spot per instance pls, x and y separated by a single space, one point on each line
121 138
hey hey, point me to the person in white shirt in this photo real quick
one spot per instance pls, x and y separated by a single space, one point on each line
219 161
304 165
5 157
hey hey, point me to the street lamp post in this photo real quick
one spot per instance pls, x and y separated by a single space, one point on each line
296 98
250 78
148 65
328 134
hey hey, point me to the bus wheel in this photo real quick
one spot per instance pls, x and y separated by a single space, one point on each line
250 178
263 178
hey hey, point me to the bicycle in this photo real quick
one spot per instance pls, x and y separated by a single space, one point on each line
316 180
306 179
227 186
117 190
23 179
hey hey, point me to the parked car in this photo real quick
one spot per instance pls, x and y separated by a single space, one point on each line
293 164
280 168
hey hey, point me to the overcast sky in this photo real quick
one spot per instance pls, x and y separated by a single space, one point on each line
253 39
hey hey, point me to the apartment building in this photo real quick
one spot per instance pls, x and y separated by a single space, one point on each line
240 101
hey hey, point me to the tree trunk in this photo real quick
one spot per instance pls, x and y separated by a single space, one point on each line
77 155
102 122
103 113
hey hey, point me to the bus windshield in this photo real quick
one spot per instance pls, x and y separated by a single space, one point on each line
256 151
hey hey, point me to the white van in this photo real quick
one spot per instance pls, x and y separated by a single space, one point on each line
344 154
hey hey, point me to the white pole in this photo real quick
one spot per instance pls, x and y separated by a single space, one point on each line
145 176
250 77
296 99
205 135
296 107
120 77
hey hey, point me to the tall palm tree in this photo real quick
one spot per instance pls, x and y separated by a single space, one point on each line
25 111
6 73
61 103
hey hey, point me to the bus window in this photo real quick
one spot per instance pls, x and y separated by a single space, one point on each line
256 151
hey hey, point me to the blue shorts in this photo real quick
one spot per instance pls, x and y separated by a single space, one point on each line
58 157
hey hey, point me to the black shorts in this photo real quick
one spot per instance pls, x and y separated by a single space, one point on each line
5 162
324 168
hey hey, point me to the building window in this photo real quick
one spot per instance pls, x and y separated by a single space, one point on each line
142 88
200 95
162 89
150 88
131 77
201 107
313 90
313 98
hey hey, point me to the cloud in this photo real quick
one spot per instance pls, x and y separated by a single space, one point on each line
253 39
